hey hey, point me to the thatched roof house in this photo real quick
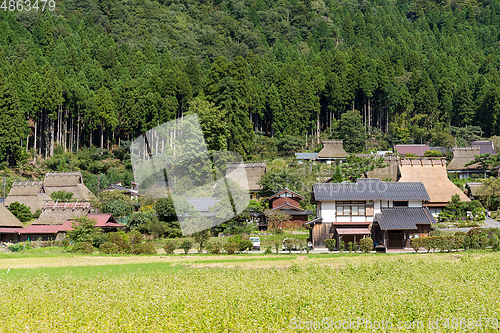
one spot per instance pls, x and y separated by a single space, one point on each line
9 225
247 173
332 151
432 173
60 212
389 173
69 182
462 156
29 193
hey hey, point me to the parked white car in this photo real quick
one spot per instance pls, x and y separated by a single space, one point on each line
256 243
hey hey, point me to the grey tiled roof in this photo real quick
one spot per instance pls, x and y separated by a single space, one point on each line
403 218
370 189
306 156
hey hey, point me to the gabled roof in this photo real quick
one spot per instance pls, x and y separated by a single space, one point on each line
105 221
370 189
58 213
486 147
292 210
313 222
462 156
403 218
287 191
432 173
34 229
26 188
7 219
418 150
246 174
332 149
63 179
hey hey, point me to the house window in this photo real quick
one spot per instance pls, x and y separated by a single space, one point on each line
355 210
351 208
340 210
400 203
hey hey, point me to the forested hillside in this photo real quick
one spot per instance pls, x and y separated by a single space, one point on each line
100 72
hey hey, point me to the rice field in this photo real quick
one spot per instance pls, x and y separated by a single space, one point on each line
358 293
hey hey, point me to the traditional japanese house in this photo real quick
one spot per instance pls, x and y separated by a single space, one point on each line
390 212
9 226
432 173
69 182
29 193
247 174
463 156
288 202
333 151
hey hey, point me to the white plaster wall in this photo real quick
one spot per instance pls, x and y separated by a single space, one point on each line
391 205
414 203
358 219
328 211
343 218
376 206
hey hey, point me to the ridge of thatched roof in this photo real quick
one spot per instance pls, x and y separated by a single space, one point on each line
390 172
60 212
432 173
29 193
462 156
332 149
7 219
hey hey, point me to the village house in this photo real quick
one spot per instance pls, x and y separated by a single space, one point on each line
71 182
247 174
288 202
390 212
432 173
133 191
333 151
463 156
30 193
9 226
58 231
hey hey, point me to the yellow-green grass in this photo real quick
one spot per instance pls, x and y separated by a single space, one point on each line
249 293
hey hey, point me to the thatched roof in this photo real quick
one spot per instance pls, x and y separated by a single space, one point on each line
246 172
462 156
29 193
7 219
473 189
58 213
390 172
432 173
63 179
332 149
69 182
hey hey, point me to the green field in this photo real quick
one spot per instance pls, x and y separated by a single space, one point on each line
251 293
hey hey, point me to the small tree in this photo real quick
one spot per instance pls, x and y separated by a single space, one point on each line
169 247
84 230
186 245
62 195
275 220
289 244
202 238
21 211
366 244
330 244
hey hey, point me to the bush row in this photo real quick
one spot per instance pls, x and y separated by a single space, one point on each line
474 239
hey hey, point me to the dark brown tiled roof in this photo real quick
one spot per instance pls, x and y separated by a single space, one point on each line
403 218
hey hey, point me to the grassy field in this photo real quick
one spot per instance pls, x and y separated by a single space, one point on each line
252 293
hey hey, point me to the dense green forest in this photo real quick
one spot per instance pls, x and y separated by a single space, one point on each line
102 72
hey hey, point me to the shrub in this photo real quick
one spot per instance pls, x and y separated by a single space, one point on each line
83 247
214 247
121 240
202 238
460 233
366 245
341 245
109 248
16 247
148 248
268 250
415 244
232 247
169 247
186 245
330 244
62 196
244 245
290 244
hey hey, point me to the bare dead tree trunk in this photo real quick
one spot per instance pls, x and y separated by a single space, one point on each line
52 137
78 133
34 142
